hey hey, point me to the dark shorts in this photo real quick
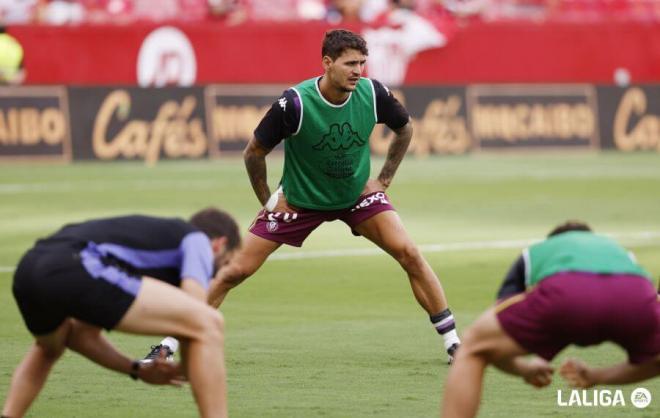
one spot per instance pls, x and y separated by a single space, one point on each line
585 309
293 229
56 281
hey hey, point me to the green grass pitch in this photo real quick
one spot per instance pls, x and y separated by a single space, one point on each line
338 336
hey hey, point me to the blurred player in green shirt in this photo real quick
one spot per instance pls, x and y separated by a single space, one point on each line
575 287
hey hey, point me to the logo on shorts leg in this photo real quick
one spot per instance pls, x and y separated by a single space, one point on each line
272 226
370 200
273 219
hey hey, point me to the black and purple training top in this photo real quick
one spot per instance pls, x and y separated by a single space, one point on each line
167 249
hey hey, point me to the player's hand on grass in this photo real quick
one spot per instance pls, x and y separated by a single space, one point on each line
576 373
373 186
162 372
538 372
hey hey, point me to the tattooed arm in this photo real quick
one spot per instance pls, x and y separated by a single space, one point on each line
395 154
254 156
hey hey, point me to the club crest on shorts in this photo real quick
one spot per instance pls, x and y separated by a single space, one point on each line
272 226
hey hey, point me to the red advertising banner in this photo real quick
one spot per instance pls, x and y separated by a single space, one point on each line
205 53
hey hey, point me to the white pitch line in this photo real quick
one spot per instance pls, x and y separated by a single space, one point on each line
441 248
630 238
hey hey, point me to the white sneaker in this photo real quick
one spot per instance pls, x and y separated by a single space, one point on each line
156 353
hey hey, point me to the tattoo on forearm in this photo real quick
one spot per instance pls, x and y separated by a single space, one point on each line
395 154
256 168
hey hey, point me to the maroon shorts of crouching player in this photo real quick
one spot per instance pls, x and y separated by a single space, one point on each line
585 309
294 228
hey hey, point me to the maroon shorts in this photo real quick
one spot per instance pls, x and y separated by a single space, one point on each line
585 309
294 228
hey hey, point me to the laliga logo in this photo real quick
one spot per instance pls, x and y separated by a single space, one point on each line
166 58
640 398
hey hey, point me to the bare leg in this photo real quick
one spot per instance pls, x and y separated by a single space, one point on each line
483 343
31 374
254 251
162 309
463 384
386 230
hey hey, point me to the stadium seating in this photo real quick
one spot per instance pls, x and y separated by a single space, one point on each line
232 12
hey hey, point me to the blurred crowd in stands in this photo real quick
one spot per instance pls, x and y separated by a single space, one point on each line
372 12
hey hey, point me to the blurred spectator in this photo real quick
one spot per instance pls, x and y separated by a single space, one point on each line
62 12
18 12
232 12
282 10
311 9
518 9
399 34
11 60
342 11
371 9
238 11
444 14
155 10
470 7
436 12
163 10
608 9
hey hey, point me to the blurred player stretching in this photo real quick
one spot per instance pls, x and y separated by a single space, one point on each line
575 287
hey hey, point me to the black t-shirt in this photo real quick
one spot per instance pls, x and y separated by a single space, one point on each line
283 117
514 282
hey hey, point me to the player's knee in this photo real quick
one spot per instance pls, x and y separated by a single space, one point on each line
217 321
470 337
212 325
50 352
471 344
478 341
409 256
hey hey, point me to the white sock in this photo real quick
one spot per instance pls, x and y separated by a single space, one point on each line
171 342
451 338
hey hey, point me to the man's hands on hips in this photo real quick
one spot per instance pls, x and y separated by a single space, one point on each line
373 186
282 205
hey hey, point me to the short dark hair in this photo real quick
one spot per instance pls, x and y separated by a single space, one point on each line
217 223
337 41
567 226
